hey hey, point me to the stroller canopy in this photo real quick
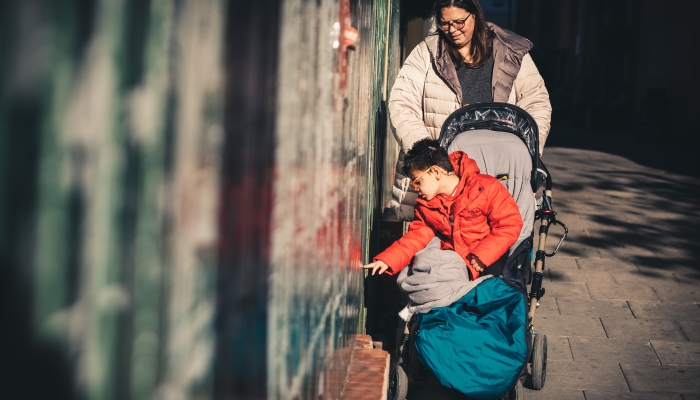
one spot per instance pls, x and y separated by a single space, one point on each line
502 117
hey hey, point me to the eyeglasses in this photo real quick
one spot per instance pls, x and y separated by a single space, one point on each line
458 23
414 182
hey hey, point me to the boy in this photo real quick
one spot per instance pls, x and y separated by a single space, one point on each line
470 213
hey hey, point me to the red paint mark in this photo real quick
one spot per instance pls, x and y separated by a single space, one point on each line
348 37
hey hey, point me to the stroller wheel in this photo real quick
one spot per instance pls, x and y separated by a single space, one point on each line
515 393
398 384
539 361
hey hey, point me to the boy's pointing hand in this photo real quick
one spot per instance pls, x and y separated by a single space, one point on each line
476 263
377 266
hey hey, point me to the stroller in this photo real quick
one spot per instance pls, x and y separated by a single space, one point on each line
497 317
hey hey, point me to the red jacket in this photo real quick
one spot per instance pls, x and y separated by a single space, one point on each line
487 220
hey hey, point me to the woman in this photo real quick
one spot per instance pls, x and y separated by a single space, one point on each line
467 61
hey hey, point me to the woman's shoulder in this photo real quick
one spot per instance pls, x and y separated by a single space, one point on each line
427 46
425 50
509 39
431 40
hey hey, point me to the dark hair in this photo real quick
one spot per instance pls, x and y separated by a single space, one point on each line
482 41
424 154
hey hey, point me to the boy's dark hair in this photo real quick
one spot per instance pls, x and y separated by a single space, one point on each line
424 154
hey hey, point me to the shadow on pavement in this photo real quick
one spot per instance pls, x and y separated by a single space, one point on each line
628 197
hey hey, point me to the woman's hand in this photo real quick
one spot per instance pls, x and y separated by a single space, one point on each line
476 263
377 266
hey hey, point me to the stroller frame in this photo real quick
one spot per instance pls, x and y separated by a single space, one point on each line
518 273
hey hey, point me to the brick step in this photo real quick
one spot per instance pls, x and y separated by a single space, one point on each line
368 372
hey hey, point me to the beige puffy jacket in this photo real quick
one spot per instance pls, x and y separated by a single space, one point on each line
427 91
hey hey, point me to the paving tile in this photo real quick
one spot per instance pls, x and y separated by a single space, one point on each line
576 240
566 289
551 392
677 352
681 293
628 251
653 263
648 378
579 275
558 349
561 262
643 218
613 351
608 291
691 329
596 395
586 376
594 308
548 306
606 264
592 238
675 253
570 326
591 213
663 310
602 219
576 250
690 278
646 329
650 265
645 277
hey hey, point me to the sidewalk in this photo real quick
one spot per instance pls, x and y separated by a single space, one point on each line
621 310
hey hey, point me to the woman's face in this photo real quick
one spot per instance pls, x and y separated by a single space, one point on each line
451 16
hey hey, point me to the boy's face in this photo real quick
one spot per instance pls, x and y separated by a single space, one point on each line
425 183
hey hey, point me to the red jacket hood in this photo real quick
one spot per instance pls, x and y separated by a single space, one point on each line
465 168
462 164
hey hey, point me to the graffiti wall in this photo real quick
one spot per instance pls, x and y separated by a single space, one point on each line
317 166
188 189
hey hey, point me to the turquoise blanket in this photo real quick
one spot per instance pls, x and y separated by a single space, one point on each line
477 344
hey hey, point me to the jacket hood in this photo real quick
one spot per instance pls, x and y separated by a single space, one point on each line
511 40
465 168
463 165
